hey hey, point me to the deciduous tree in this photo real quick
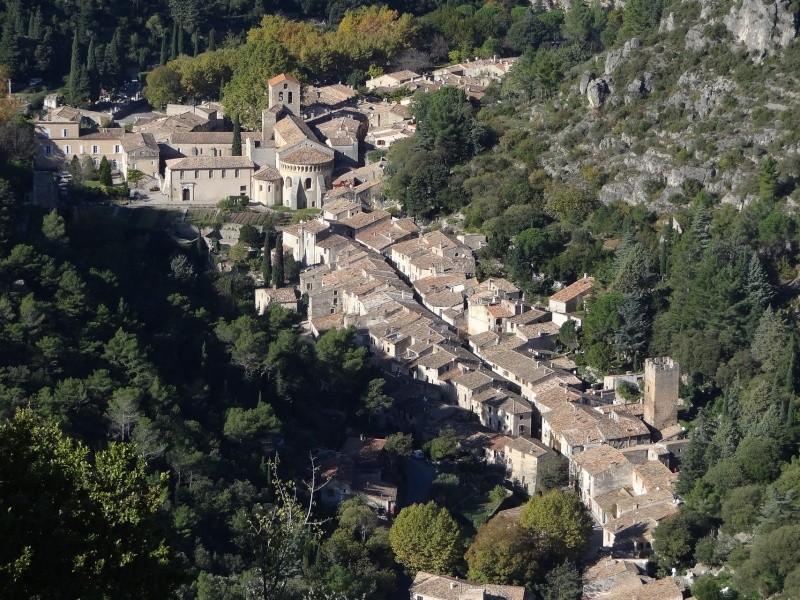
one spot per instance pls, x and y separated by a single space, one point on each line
425 537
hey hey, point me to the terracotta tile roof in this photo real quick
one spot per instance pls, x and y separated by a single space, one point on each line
599 459
326 322
202 137
472 380
444 299
293 130
306 156
575 290
340 205
450 588
105 134
283 77
528 446
649 515
482 340
655 475
365 219
583 426
528 317
267 173
333 241
211 162
134 141
329 94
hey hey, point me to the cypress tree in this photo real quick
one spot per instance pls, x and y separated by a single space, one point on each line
142 59
196 40
212 41
74 72
277 273
236 148
180 39
92 70
173 52
266 263
162 58
30 27
36 34
105 172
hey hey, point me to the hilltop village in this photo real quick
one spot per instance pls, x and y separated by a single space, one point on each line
474 356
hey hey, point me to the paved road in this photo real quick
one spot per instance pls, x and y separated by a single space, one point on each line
419 476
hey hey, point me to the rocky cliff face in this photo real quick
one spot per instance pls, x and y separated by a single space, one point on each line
697 108
762 27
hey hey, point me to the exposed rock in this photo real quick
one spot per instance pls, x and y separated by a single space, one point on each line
667 24
597 91
641 86
761 27
586 78
702 95
615 57
696 38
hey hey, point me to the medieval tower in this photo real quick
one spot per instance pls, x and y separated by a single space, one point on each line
661 380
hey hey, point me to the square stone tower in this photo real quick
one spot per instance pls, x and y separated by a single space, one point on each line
285 89
661 381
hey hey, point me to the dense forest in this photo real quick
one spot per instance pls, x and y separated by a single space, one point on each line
173 410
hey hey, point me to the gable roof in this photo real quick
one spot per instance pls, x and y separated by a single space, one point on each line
282 77
574 290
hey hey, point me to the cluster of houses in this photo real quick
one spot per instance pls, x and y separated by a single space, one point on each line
488 365
303 152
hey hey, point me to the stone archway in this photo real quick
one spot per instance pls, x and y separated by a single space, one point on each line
186 195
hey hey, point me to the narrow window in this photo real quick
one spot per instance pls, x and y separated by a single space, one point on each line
223 173
48 150
64 133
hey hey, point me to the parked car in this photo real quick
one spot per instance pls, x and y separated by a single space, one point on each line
418 454
35 81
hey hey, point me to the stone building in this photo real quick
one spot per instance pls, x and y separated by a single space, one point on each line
661 385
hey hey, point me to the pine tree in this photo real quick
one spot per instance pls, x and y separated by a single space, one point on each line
759 289
630 339
266 264
212 41
767 179
701 223
9 49
277 273
236 147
